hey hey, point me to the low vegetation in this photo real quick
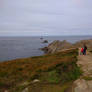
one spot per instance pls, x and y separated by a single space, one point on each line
87 78
58 69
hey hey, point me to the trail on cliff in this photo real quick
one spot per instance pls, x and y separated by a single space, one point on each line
84 84
85 62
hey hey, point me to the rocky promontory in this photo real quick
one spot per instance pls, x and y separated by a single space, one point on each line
57 45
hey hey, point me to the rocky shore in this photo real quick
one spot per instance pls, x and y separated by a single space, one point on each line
57 45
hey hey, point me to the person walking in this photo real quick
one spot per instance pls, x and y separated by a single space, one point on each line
85 49
82 49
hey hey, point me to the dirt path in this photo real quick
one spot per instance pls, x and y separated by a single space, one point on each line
85 62
84 84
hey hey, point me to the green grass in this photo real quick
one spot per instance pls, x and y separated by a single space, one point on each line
65 87
54 68
53 77
50 87
87 78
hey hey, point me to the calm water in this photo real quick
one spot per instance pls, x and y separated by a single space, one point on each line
21 47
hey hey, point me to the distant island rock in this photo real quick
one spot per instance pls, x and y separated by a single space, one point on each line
45 41
41 38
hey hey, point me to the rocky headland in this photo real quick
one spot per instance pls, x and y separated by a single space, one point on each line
57 45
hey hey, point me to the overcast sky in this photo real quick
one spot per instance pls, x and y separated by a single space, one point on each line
45 17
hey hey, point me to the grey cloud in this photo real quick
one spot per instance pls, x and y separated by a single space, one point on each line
45 17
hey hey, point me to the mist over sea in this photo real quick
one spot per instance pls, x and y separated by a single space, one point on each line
22 47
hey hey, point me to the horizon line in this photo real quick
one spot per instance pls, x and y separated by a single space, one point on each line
40 35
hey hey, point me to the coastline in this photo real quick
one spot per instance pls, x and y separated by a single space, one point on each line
43 70
14 52
20 74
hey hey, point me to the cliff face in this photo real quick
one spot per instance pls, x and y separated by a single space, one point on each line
57 45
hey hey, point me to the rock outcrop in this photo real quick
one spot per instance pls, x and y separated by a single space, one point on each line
57 45
82 42
45 41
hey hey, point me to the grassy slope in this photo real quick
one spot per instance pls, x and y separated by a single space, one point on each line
57 68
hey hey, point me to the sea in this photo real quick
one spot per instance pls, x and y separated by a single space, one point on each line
23 47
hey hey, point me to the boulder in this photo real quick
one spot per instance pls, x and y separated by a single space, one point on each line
45 41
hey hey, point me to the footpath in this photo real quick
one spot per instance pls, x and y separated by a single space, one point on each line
84 83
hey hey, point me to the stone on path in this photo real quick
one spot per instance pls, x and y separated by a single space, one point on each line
36 80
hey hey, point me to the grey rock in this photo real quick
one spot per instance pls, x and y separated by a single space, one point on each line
25 90
57 45
36 80
45 41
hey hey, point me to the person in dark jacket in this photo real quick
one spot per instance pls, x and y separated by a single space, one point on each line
85 49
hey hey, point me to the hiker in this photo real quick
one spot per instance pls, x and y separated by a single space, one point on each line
85 49
82 49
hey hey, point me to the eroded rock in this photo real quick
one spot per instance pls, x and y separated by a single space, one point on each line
57 45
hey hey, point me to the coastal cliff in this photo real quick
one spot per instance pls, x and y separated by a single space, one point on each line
48 73
57 45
